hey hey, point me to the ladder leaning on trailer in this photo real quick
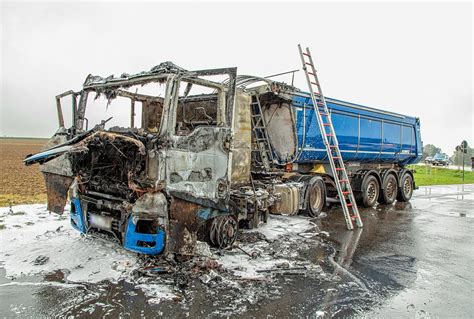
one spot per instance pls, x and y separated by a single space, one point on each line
260 135
321 112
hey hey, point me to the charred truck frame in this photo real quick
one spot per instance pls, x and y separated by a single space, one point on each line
203 165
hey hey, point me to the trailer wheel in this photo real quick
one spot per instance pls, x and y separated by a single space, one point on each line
390 190
315 197
370 191
406 188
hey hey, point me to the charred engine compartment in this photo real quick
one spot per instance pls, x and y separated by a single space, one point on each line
110 169
113 164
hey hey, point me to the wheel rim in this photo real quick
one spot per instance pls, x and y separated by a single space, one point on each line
315 198
407 186
391 188
372 192
223 231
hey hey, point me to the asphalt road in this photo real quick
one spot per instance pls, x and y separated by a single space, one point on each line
426 247
410 260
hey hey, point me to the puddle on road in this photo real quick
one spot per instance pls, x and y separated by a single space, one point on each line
459 192
449 200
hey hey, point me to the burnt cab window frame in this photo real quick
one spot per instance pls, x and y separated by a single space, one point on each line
221 102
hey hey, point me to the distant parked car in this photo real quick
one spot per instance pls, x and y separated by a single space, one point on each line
440 160
428 160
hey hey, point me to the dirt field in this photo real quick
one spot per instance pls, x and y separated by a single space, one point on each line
20 183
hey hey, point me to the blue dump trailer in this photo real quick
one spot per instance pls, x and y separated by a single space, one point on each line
365 135
200 159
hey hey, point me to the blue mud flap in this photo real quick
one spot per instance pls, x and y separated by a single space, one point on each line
155 243
77 216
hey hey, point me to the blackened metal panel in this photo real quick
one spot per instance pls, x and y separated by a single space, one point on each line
197 165
184 226
57 187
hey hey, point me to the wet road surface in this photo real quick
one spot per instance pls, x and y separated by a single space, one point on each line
410 260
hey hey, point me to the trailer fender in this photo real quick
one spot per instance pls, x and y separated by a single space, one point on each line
360 177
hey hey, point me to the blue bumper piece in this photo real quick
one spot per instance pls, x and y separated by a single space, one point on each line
150 244
77 216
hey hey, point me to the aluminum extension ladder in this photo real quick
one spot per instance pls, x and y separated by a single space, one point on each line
323 116
259 129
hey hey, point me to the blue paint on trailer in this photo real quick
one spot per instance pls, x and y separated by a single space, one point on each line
365 134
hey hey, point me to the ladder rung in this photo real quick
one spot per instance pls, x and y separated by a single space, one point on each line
306 54
333 146
315 83
325 114
349 205
345 193
339 169
316 93
329 134
336 157
308 63
311 73
326 124
343 181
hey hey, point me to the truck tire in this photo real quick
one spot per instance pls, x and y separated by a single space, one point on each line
389 191
370 191
405 191
315 197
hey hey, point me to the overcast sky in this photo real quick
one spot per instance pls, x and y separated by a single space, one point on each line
414 59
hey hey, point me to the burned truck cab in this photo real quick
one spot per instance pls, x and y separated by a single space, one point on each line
197 157
164 181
